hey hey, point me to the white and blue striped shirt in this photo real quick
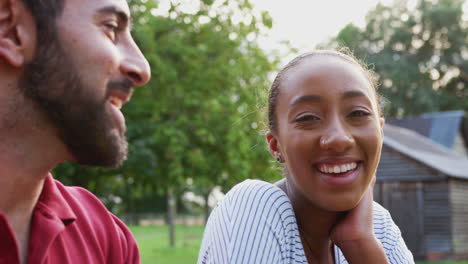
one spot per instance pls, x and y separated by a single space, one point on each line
255 223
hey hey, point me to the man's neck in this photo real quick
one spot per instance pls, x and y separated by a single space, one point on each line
25 162
29 150
18 197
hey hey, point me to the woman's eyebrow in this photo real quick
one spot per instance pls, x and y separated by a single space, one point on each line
352 94
305 98
318 98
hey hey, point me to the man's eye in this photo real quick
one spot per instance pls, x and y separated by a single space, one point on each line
306 118
112 30
359 113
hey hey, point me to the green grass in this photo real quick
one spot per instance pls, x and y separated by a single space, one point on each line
153 242
154 245
443 262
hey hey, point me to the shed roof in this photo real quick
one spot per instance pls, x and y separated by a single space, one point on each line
441 127
426 151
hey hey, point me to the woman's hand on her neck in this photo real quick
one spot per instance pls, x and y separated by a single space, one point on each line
354 233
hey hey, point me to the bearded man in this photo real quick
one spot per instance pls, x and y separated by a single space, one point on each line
66 68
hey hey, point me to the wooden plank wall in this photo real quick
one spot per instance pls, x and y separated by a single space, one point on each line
459 204
437 218
404 201
395 166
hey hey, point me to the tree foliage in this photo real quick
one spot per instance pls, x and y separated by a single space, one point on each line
198 120
419 53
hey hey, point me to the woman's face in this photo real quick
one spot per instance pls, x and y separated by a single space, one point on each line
329 132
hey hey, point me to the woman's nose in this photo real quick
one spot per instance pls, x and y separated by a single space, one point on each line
336 138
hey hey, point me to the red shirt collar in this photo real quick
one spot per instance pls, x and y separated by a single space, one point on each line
52 201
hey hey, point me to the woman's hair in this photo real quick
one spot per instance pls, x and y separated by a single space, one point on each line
342 53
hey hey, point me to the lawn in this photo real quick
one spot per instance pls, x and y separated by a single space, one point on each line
154 245
444 262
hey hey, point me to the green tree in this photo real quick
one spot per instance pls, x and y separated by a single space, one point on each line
199 117
419 53
208 76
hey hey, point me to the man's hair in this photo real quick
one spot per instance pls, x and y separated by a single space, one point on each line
45 13
44 10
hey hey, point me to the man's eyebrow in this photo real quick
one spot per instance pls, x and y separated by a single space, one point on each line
122 16
305 98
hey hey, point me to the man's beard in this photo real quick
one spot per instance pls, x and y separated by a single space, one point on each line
83 122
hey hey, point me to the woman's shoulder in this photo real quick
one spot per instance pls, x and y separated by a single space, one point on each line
390 236
255 201
252 217
253 191
384 227
250 185
256 196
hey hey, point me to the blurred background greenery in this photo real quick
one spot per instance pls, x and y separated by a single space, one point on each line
199 124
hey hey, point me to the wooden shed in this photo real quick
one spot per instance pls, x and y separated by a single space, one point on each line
424 185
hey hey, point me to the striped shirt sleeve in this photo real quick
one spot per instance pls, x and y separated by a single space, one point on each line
390 235
254 223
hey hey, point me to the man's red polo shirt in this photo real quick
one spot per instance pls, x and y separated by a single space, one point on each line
70 225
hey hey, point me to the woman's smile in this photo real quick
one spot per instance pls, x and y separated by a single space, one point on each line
342 173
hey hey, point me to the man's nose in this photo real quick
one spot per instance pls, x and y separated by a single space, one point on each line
134 65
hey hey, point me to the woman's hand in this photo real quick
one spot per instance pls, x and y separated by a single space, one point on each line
354 233
356 224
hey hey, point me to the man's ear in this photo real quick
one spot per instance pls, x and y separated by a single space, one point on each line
17 32
273 144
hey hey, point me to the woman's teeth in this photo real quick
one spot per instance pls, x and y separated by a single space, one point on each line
115 101
325 168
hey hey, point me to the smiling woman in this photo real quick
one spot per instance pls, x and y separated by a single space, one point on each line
325 125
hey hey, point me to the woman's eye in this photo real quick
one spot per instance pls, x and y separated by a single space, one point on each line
359 113
306 118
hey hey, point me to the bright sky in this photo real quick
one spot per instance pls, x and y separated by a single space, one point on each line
306 23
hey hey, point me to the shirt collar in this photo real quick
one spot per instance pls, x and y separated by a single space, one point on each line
52 200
